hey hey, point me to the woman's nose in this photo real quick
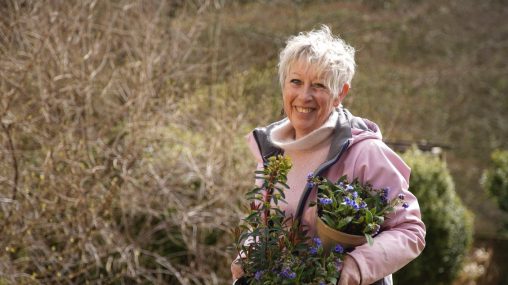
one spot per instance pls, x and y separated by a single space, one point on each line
307 93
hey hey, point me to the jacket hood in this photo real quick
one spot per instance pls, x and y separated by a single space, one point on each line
371 131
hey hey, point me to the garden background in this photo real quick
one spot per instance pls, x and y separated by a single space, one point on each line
122 157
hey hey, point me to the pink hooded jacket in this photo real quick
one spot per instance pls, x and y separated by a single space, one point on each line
356 149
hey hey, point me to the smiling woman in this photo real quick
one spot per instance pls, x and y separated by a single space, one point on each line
324 139
307 100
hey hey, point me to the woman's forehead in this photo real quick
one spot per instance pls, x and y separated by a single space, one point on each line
304 67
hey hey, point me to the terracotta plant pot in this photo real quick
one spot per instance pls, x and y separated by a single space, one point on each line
330 237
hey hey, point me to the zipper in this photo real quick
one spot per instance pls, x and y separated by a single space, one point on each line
308 187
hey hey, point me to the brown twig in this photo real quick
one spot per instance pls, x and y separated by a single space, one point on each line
6 129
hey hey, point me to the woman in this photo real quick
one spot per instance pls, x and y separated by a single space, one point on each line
321 137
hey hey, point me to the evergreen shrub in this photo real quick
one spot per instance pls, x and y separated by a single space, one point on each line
495 181
449 224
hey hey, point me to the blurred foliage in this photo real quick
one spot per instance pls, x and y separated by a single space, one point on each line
495 180
449 224
122 157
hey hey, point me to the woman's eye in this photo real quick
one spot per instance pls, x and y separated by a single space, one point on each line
295 81
319 85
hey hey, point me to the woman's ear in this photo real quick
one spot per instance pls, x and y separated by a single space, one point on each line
342 95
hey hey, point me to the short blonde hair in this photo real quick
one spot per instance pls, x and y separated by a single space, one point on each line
332 57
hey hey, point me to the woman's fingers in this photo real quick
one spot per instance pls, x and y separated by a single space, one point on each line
236 269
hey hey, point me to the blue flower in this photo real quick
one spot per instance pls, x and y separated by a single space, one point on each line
355 195
287 273
351 203
313 250
310 176
349 187
311 184
317 241
363 205
325 201
405 205
338 249
258 275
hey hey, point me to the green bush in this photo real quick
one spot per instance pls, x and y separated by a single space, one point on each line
449 224
495 179
495 182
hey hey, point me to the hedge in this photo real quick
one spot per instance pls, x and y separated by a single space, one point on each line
449 224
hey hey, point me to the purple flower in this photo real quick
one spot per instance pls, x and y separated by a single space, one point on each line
349 187
401 196
310 176
355 195
384 195
287 273
317 241
338 249
313 250
351 203
363 205
405 205
325 201
311 184
258 275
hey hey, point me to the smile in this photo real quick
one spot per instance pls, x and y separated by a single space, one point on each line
303 109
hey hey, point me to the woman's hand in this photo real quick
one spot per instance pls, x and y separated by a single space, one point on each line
236 269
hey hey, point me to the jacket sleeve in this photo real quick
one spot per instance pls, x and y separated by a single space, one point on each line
402 236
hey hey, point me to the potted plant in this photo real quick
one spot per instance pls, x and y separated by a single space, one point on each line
350 213
274 249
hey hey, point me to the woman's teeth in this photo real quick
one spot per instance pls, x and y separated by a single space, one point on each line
303 110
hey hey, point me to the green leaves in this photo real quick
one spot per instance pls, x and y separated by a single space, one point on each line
330 222
369 238
275 247
353 208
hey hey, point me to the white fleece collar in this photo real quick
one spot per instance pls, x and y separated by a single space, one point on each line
283 135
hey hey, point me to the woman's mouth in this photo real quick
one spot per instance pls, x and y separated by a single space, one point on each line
303 109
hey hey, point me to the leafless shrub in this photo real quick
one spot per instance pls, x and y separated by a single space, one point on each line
104 177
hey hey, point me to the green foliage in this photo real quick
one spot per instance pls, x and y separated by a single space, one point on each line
353 208
495 179
274 248
449 223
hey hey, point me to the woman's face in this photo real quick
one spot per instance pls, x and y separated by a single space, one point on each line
307 100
